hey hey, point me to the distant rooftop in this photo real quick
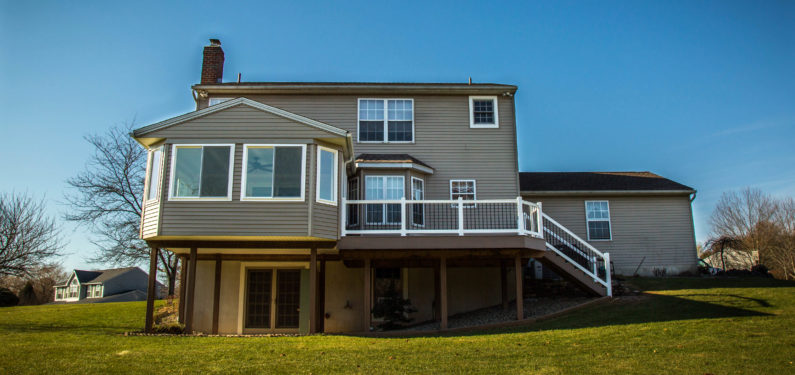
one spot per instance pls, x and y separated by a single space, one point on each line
597 181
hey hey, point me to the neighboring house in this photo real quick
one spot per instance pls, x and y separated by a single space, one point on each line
298 206
114 285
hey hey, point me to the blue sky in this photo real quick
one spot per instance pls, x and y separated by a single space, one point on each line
701 92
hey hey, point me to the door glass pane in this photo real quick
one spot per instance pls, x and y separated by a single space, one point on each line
186 171
287 174
374 190
394 190
288 298
259 172
258 299
326 167
417 210
215 171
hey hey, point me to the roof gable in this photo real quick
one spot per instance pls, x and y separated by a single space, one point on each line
144 131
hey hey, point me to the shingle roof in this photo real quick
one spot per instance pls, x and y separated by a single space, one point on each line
597 181
390 158
101 275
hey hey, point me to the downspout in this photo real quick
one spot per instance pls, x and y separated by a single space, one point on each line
349 143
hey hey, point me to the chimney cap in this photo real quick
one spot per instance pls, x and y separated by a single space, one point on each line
215 42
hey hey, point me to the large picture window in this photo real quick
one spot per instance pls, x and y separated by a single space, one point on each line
202 171
155 166
386 120
327 175
273 172
597 215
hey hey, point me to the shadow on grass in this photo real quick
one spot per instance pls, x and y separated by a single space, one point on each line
679 283
648 308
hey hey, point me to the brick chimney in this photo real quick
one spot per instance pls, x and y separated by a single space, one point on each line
213 64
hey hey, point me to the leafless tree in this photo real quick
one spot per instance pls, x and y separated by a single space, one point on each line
28 237
718 247
780 256
739 213
107 197
42 281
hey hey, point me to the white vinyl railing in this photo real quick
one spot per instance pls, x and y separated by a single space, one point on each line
405 217
578 252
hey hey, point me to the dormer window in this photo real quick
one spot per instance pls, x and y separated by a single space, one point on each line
386 120
483 112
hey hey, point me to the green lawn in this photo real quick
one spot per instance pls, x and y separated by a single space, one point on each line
683 326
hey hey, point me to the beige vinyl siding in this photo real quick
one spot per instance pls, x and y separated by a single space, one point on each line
442 138
659 228
149 219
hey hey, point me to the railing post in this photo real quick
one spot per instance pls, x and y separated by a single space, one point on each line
403 216
595 268
460 216
343 216
608 278
519 216
540 214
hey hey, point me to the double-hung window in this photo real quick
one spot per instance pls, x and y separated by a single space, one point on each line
273 172
464 189
383 188
597 215
327 175
483 112
155 166
386 120
202 171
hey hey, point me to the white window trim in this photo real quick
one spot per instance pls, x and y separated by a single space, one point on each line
149 181
217 100
474 191
335 176
173 173
609 221
472 124
412 198
384 211
386 120
243 171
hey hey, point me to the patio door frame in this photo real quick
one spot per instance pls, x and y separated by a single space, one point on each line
245 268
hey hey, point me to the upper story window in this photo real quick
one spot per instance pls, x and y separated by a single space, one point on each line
465 189
202 171
597 214
483 112
327 175
386 120
214 101
273 172
155 166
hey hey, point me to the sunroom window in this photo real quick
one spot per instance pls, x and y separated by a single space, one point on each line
327 175
386 120
154 173
273 172
202 171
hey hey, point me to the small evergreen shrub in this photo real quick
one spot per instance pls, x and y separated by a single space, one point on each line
8 298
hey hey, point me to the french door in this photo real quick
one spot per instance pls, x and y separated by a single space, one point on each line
272 299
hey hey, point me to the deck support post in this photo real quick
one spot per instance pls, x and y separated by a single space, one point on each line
150 290
321 297
313 290
183 279
190 293
519 292
217 293
443 290
437 294
366 304
504 285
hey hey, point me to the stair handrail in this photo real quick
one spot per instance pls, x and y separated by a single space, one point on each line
607 282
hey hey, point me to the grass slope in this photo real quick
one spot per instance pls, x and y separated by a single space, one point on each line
683 326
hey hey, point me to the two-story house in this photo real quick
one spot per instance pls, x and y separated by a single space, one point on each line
297 206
